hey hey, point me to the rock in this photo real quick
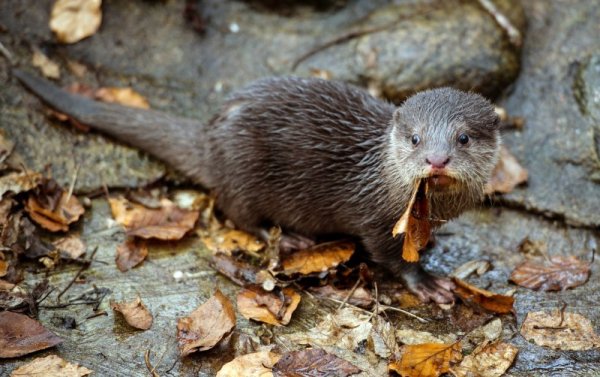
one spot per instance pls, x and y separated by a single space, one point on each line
557 93
411 46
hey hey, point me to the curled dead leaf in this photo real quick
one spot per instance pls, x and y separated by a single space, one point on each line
415 223
21 335
166 223
319 258
490 301
313 362
52 207
555 274
130 254
560 330
426 360
360 297
491 360
18 182
122 96
228 241
135 312
206 325
74 20
50 366
70 246
242 273
257 364
268 307
507 174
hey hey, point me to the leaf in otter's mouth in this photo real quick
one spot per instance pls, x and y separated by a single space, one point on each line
414 223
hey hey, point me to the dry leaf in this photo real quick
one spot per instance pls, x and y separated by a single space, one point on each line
52 207
122 96
70 246
314 363
415 223
410 337
74 20
360 297
135 312
21 335
167 223
488 300
3 268
50 366
507 174
242 273
478 266
228 241
206 325
563 331
257 364
319 258
492 360
130 254
19 182
48 68
426 360
268 307
557 273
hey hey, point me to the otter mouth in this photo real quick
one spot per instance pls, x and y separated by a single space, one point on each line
441 181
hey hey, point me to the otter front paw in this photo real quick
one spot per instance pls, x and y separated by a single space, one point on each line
428 287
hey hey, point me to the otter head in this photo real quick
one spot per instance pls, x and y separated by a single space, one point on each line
448 137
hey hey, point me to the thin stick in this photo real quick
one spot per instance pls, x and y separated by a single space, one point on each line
72 185
349 295
85 266
7 54
420 319
149 365
514 35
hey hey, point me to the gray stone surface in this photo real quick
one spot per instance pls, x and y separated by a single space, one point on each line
557 93
148 45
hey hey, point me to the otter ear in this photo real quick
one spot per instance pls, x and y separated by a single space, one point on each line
398 116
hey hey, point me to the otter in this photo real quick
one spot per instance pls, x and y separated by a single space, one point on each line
318 157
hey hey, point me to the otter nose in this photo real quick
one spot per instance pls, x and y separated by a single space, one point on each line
438 161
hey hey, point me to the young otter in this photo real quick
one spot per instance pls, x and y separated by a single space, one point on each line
319 157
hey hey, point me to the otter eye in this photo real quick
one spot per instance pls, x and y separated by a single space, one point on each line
415 139
463 139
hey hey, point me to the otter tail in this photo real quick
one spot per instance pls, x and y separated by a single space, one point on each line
177 141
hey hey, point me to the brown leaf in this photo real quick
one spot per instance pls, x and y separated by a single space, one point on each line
557 330
415 223
507 174
426 360
167 223
268 307
314 363
48 67
491 360
21 335
319 258
50 366
74 20
18 182
488 300
228 241
557 273
257 364
3 268
206 325
361 297
70 246
130 254
135 312
52 207
122 96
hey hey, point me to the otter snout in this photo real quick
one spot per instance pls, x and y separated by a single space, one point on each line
437 161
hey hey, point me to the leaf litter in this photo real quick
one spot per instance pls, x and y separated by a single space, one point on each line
274 308
553 274
135 313
21 335
50 366
207 325
560 330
